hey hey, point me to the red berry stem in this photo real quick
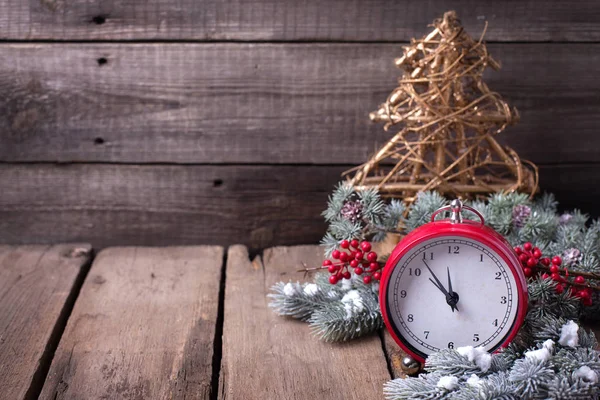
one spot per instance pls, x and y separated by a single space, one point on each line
568 272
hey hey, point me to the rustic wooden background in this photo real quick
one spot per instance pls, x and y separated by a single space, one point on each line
163 122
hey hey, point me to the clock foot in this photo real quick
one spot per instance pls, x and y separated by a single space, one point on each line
410 366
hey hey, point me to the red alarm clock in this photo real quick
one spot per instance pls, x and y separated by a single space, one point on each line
453 283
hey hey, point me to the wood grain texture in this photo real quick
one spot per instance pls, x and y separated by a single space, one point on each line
263 103
164 205
260 206
371 20
37 285
142 328
269 357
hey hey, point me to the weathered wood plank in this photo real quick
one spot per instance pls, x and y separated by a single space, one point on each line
259 206
37 290
164 205
142 328
263 103
266 356
372 20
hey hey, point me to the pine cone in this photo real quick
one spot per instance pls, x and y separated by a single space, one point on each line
352 211
571 257
565 218
520 215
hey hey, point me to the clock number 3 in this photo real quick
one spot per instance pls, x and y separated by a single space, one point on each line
503 300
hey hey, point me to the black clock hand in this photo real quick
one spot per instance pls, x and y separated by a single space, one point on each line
438 284
451 297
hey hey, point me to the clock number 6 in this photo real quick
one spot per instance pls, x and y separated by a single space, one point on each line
450 345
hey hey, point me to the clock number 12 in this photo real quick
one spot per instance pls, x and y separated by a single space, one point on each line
453 250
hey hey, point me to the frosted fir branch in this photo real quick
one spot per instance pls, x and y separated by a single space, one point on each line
422 209
373 206
450 362
299 301
422 388
355 314
569 387
531 377
341 193
546 202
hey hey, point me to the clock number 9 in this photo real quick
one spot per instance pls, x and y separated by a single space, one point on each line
403 293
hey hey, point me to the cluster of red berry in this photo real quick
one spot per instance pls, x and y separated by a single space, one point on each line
356 256
531 258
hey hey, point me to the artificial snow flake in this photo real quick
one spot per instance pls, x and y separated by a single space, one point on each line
548 344
353 303
448 382
478 355
311 289
568 334
289 289
538 355
474 381
346 284
586 374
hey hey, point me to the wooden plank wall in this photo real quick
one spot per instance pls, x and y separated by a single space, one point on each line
179 121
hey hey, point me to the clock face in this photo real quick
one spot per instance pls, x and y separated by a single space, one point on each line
451 291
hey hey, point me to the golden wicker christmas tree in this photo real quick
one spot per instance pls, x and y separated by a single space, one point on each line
446 119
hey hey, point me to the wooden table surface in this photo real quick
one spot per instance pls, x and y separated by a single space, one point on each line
169 323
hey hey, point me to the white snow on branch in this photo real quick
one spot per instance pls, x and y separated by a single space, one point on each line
352 303
478 355
474 381
311 289
289 289
568 334
539 355
586 374
448 382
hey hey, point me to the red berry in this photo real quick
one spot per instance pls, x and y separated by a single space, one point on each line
574 291
327 262
372 256
332 269
377 275
528 272
518 250
523 257
354 243
373 267
336 254
554 269
367 279
359 255
353 263
365 246
333 279
537 253
560 288
358 271
347 275
545 261
587 301
344 244
528 246
556 277
579 280
532 262
583 294
343 257
556 260
545 276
